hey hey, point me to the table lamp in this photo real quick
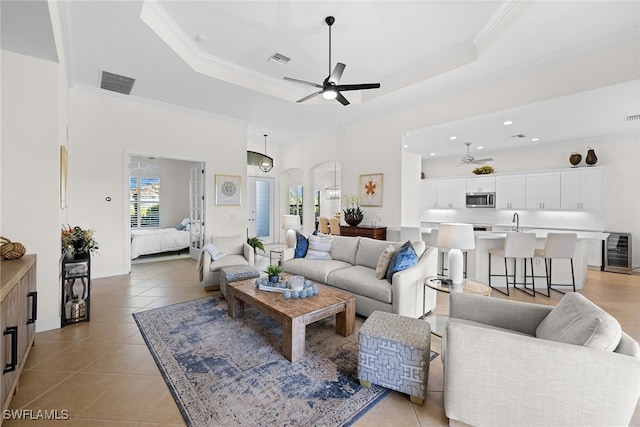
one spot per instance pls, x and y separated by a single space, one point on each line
456 237
291 223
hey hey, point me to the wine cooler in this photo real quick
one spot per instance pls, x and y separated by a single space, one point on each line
617 253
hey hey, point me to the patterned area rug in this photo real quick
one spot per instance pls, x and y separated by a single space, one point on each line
227 372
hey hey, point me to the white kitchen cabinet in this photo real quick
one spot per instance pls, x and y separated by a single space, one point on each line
582 188
510 192
429 192
450 193
542 190
486 184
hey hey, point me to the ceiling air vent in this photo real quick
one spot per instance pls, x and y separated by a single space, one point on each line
519 135
634 117
278 58
116 82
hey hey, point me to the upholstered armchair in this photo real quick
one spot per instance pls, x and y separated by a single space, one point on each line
509 363
236 252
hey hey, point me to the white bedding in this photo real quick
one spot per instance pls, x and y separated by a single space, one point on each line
146 242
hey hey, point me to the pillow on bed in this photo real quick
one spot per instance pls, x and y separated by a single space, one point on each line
183 225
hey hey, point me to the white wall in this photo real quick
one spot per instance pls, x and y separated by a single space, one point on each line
411 189
103 128
31 171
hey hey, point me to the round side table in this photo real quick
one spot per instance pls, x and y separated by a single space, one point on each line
438 322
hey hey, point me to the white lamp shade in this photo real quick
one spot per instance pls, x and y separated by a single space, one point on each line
291 223
456 236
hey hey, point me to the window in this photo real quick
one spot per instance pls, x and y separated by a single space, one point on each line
144 198
295 201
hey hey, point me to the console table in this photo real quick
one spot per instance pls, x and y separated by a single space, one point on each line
379 233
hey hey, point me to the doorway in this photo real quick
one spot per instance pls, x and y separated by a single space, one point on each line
261 208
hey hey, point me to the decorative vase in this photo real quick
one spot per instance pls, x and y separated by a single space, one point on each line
81 255
353 219
575 159
591 159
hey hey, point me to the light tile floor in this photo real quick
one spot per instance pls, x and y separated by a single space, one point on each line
102 373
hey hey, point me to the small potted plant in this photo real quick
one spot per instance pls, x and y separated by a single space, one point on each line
353 215
256 244
274 273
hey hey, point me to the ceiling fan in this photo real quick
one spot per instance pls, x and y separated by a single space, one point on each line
469 159
330 88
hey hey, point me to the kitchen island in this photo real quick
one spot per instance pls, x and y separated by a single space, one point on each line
478 259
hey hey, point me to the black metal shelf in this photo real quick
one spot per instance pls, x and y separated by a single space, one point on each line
76 289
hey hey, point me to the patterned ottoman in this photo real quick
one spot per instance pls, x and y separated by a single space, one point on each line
234 273
394 352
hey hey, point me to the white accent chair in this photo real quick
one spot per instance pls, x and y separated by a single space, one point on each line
237 252
510 363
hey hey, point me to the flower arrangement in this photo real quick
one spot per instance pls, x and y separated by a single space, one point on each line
353 215
76 241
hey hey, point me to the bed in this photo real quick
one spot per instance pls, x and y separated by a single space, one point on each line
146 242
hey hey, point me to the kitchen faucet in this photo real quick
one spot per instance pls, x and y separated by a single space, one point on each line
516 219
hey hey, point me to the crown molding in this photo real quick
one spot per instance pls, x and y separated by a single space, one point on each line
157 104
160 22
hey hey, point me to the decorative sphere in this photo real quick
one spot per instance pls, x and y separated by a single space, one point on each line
307 283
295 294
287 294
315 290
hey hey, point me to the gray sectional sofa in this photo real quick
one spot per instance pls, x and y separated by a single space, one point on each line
353 269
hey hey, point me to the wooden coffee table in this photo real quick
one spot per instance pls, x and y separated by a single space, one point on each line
294 314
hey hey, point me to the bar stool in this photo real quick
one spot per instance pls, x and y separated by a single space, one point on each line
557 246
444 251
516 245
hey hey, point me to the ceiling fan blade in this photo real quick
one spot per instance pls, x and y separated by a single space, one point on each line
336 74
309 96
481 161
342 99
303 82
358 87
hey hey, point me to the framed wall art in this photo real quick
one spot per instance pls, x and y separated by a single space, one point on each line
371 189
228 190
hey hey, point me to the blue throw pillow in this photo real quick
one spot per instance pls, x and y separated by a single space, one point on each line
403 258
302 244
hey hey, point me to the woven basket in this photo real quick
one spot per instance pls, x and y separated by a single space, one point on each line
11 250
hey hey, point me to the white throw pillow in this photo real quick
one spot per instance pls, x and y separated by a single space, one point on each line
319 247
383 262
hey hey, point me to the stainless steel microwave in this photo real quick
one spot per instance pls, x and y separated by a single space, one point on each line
481 200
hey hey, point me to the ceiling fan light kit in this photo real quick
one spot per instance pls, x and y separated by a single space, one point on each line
330 88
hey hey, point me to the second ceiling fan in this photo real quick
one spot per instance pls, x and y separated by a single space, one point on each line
330 88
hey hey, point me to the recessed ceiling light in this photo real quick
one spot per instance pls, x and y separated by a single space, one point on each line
432 154
453 137
406 146
535 139
480 147
200 38
507 123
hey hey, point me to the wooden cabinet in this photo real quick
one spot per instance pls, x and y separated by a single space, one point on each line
17 320
582 189
450 193
485 184
510 192
542 190
379 233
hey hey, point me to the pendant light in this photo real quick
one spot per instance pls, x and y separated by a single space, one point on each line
333 193
266 164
